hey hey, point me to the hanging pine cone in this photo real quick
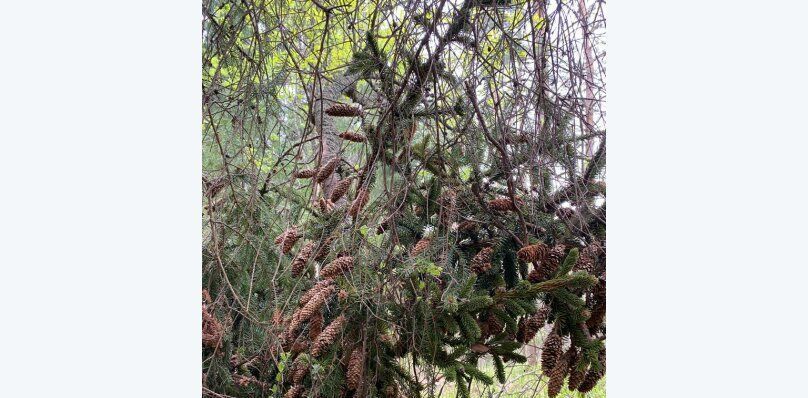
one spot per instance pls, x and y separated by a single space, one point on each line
316 325
295 392
312 307
328 335
531 253
328 168
494 324
212 329
299 371
356 367
288 239
340 189
535 276
590 381
302 258
482 260
337 267
361 200
314 290
420 247
597 305
576 375
555 256
308 173
504 204
559 373
529 326
592 376
550 351
467 226
325 205
343 110
351 136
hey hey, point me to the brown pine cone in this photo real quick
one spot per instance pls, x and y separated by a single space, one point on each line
308 173
495 325
343 110
295 392
559 373
328 168
212 329
529 326
590 381
467 226
312 307
481 262
316 325
314 290
362 197
356 367
351 136
288 239
504 204
325 205
337 267
531 253
302 258
327 337
576 376
597 305
299 371
420 247
534 276
550 351
340 189
555 256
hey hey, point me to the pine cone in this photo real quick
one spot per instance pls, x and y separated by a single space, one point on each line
590 381
531 253
504 204
482 260
555 256
340 189
420 247
312 307
295 392
597 305
325 205
356 367
302 258
328 168
550 351
314 290
327 337
325 248
529 326
576 375
288 239
212 329
361 200
316 325
351 136
308 173
343 110
467 226
337 267
299 371
535 276
559 373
